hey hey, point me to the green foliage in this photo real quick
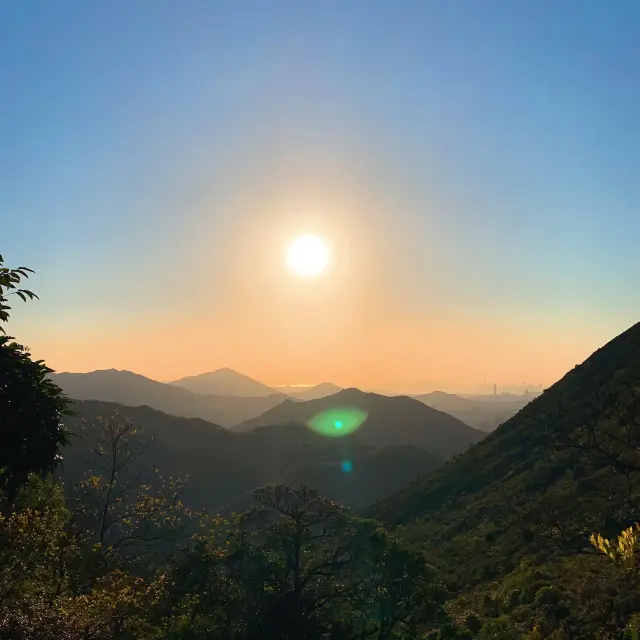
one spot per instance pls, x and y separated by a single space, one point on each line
10 280
44 591
31 432
624 551
300 566
119 510
508 523
296 566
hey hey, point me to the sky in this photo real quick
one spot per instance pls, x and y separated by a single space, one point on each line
473 166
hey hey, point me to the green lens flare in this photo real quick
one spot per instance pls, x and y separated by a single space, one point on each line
335 423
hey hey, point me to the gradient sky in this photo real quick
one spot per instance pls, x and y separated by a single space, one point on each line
474 164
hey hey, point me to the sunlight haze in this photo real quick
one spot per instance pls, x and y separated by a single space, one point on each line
478 195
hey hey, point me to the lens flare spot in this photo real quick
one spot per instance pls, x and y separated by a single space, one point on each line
347 466
339 422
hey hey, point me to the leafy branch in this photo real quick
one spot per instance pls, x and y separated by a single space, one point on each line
10 280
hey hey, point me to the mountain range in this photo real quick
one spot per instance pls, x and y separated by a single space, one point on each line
229 398
390 421
132 389
237 397
227 382
399 439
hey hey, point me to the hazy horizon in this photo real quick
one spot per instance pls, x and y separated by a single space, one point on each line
415 388
471 169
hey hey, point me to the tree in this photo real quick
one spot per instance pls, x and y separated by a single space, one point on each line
32 406
43 595
10 280
300 566
123 512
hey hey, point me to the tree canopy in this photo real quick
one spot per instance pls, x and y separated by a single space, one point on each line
31 429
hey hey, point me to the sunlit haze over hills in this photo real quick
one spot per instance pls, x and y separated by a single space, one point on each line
467 174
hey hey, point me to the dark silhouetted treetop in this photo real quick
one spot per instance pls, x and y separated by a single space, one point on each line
10 280
31 405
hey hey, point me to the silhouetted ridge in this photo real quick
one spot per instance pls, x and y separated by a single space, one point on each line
390 421
497 479
133 389
225 382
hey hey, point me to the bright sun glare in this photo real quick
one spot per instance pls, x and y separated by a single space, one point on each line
308 256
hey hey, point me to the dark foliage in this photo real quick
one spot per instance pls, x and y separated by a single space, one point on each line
31 406
31 412
298 566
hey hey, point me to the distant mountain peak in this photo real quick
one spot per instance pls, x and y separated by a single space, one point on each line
225 371
133 389
225 382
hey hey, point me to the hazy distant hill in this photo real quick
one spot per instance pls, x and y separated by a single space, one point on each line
391 421
483 413
223 466
132 389
540 483
316 392
225 382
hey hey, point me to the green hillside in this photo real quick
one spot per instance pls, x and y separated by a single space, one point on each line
531 492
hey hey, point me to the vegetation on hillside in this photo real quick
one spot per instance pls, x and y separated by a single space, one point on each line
512 518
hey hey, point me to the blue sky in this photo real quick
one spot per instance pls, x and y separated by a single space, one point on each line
498 143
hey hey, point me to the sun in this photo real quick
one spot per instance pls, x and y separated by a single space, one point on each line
308 256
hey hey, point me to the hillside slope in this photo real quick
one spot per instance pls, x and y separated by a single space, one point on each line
390 421
541 482
134 390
